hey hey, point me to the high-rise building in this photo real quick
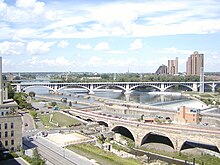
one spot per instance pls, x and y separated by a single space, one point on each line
172 68
194 64
162 70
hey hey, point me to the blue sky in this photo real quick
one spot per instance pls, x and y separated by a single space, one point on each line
100 36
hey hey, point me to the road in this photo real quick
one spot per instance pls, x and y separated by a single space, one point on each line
27 118
56 154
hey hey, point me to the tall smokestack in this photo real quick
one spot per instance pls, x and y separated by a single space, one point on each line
1 90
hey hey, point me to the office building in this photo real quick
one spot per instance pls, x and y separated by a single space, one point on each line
187 115
162 70
172 68
194 64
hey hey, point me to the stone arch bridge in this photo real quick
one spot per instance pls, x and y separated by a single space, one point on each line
127 87
177 137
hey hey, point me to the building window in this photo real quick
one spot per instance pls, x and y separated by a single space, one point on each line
6 142
0 126
12 142
2 113
6 133
6 126
0 135
12 133
12 125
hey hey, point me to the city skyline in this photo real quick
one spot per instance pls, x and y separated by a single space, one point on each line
99 36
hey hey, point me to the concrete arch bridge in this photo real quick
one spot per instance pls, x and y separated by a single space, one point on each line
177 137
127 87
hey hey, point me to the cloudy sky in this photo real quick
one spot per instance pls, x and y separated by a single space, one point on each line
107 36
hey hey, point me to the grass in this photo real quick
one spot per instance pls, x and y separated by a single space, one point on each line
60 118
207 159
101 156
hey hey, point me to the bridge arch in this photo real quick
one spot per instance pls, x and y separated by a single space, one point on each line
124 131
190 145
81 86
25 88
156 138
145 85
189 87
118 86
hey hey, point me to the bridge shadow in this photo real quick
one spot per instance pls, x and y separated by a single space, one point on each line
123 131
190 145
155 138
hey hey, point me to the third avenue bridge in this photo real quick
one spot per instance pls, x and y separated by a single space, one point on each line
127 87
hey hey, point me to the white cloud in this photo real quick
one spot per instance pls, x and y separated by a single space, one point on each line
117 52
102 46
173 50
38 47
83 46
63 44
59 62
137 44
135 19
11 48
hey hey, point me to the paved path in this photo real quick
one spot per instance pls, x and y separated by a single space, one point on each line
27 118
57 155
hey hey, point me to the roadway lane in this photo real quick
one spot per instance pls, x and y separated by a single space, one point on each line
56 154
27 118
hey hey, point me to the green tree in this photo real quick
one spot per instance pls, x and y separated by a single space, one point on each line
53 103
36 160
33 114
31 94
218 90
11 91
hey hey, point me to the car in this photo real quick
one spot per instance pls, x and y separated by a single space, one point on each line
26 124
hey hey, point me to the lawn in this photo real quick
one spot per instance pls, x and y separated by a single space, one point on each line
101 156
60 118
206 159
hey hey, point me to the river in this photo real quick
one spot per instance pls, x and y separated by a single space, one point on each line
171 100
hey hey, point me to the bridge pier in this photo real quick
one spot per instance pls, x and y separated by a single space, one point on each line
213 87
18 88
91 92
195 87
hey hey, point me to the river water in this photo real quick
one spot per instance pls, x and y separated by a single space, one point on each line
169 100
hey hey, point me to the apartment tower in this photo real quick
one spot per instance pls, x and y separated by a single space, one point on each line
172 68
194 64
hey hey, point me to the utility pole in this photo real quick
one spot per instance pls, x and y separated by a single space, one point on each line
201 89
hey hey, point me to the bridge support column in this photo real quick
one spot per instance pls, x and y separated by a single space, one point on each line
127 89
213 87
127 96
195 87
162 87
91 92
55 89
18 88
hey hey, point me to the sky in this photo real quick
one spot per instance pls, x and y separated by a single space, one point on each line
107 36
